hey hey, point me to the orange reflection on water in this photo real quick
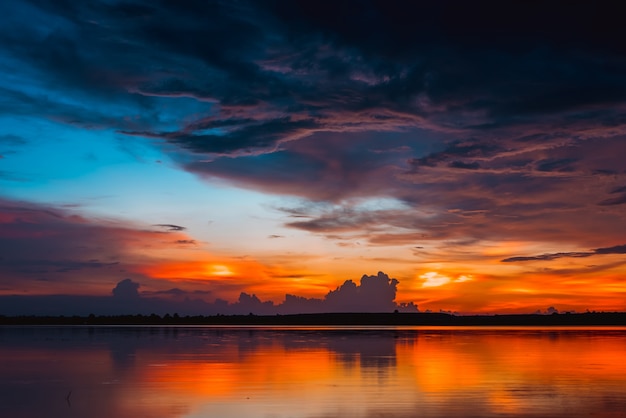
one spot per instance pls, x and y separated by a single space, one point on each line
273 366
303 373
523 371
517 371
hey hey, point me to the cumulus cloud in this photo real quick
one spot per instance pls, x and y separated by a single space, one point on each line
374 293
126 289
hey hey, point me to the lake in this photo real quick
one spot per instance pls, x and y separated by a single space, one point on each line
275 372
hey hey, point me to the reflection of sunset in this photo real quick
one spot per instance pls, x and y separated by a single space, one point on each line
230 373
446 369
442 364
272 366
194 378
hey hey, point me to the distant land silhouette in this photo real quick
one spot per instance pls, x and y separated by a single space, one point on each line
334 319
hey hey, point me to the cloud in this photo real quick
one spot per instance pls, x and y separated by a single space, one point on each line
286 99
617 249
548 257
614 201
562 165
373 294
552 310
621 189
435 279
51 249
293 61
466 166
186 242
490 123
170 227
126 289
11 140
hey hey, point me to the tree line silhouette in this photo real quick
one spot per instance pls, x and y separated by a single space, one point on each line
333 319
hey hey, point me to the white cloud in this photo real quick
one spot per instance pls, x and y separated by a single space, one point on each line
434 279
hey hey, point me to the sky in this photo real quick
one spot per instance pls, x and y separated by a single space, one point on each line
280 156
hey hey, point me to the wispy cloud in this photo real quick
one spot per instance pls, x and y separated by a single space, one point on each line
170 227
617 249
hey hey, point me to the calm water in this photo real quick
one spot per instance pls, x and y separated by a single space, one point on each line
317 373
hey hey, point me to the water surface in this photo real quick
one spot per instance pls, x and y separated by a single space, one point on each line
169 372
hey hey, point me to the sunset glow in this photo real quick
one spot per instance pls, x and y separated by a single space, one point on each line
253 157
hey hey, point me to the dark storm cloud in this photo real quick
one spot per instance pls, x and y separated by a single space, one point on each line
618 249
512 109
331 167
390 66
246 138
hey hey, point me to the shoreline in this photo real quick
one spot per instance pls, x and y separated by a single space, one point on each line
333 319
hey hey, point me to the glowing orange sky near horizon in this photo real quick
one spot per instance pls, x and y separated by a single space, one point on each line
459 287
466 280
